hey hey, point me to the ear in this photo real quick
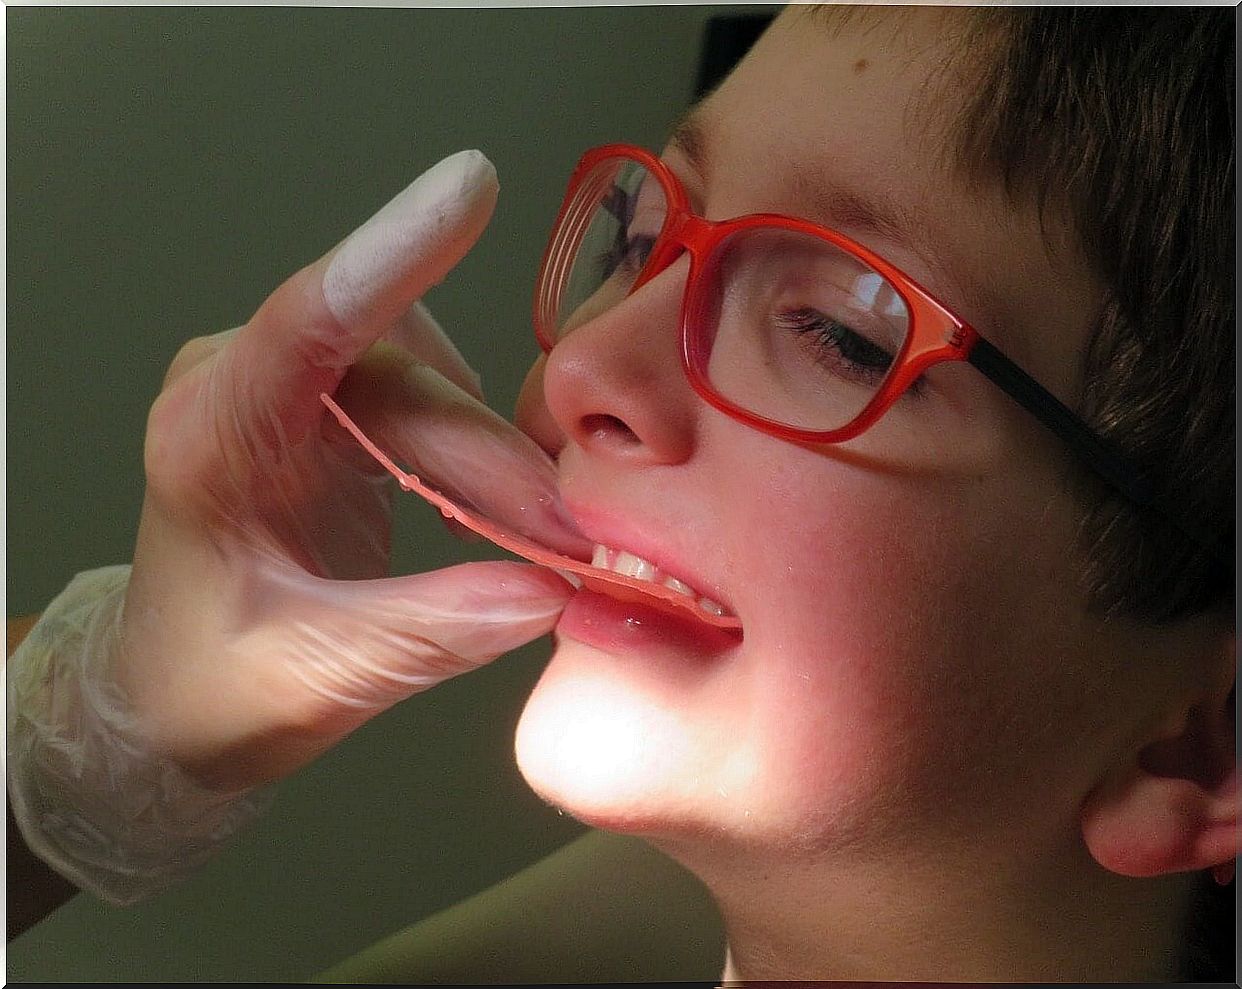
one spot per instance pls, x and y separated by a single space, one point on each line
1173 807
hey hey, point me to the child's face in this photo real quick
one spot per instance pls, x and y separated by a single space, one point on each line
918 668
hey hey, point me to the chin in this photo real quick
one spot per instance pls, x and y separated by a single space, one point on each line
610 753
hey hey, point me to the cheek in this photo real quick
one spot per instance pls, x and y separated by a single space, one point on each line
925 651
840 615
840 562
884 628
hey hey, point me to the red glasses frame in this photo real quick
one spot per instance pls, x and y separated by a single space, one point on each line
935 335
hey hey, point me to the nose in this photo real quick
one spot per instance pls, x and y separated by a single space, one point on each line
614 384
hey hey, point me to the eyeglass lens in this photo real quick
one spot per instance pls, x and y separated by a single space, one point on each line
794 328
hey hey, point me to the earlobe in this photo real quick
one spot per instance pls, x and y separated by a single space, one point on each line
1174 807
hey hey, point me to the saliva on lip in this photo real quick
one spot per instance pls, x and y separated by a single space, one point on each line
593 577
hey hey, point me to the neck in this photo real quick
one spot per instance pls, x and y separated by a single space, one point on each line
924 920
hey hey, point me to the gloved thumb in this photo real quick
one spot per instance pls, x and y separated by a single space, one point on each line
365 645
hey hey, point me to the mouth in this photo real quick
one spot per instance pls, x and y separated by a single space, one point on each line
627 564
615 572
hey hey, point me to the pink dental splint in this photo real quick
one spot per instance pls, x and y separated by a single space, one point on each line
605 581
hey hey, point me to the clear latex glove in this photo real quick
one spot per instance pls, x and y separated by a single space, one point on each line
89 796
258 628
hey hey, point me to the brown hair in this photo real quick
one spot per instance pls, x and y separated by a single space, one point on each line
1126 118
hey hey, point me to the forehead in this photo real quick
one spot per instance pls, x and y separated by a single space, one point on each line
848 120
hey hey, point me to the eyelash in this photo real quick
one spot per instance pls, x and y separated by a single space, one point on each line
832 342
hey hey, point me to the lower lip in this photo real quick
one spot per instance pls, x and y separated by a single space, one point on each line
628 626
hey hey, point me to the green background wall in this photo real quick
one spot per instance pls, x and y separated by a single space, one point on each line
166 169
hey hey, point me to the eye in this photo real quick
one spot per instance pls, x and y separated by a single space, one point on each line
834 345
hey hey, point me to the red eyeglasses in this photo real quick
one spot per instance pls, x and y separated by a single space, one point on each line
789 327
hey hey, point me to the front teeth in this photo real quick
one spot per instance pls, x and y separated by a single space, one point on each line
634 566
679 587
629 565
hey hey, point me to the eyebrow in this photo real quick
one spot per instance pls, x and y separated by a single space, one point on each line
832 202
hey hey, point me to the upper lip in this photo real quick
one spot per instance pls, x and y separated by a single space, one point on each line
609 529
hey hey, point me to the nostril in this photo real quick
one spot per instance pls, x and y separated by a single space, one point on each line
608 429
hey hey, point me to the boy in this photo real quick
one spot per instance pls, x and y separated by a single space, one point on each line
976 688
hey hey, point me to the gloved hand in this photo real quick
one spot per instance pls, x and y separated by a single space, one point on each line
257 627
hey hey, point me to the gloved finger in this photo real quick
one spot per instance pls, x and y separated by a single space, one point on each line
315 325
368 644
457 445
418 332
194 352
